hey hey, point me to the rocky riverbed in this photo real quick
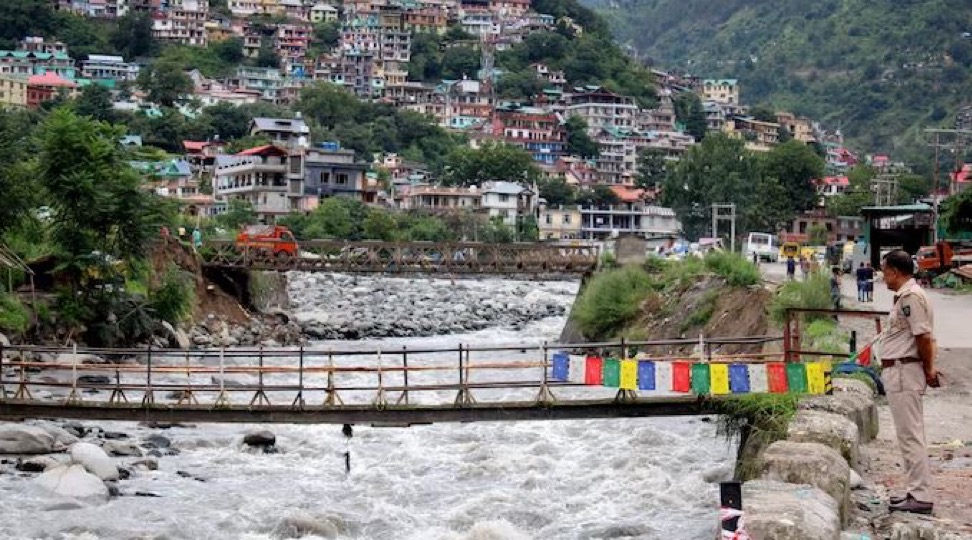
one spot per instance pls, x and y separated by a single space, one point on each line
336 306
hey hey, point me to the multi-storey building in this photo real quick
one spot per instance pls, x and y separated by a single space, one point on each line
509 8
507 201
553 78
429 20
628 218
184 21
35 56
286 132
102 67
323 13
268 177
800 128
272 86
538 131
601 108
661 118
41 88
331 171
290 43
724 91
440 198
759 136
13 91
559 222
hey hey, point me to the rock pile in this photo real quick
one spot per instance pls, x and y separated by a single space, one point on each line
270 331
335 306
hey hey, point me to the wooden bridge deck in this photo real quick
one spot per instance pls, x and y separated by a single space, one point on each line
303 386
452 258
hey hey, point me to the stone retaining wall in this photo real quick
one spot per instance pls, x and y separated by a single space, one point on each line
803 492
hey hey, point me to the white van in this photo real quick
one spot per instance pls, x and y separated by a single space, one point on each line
765 245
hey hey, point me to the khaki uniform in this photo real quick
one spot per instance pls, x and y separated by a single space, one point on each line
905 383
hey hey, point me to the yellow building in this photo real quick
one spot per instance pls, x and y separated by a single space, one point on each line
801 128
13 91
721 91
759 136
559 223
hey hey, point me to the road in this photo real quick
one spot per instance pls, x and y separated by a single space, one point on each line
948 418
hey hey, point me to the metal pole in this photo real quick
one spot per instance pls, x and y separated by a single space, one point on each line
3 388
715 221
148 397
405 371
732 237
853 341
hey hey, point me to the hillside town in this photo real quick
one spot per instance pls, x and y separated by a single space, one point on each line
297 168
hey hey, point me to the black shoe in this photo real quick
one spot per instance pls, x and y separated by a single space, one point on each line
912 505
898 500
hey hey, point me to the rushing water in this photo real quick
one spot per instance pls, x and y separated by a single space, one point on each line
612 478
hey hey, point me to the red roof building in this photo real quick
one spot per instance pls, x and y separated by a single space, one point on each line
41 88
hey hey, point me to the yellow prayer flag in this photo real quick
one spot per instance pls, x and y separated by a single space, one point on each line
629 374
720 378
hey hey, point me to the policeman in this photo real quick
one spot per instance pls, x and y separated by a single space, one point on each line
908 362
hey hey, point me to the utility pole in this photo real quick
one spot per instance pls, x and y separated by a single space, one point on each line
885 187
955 141
718 214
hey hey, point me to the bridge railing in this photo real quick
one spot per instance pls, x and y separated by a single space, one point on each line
301 377
408 257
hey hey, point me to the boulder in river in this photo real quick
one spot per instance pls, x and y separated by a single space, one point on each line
73 481
120 448
260 439
37 464
94 460
27 439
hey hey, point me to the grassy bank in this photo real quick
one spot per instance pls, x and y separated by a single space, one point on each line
614 299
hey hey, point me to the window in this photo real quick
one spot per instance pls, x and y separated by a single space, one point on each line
566 219
342 179
504 198
325 178
548 219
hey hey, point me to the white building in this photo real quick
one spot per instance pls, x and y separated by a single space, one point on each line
507 200
108 67
635 218
268 177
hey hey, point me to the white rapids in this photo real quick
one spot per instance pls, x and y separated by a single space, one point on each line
590 479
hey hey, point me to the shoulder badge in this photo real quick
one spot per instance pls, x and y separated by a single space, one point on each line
906 310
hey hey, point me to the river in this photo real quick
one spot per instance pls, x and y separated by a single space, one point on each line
613 478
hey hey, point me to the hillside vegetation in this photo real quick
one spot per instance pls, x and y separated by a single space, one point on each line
879 69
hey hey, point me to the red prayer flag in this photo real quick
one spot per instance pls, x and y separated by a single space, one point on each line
593 370
776 377
681 376
863 356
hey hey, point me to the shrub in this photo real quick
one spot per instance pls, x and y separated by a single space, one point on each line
814 293
611 300
14 317
173 300
824 335
757 421
736 269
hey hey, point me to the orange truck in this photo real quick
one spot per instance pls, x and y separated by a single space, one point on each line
938 258
268 240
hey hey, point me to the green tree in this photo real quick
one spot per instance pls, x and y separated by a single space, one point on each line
796 166
691 114
23 18
912 187
527 229
491 162
653 168
557 192
229 50
857 195
957 213
328 105
327 34
598 196
95 101
579 143
332 219
267 56
428 229
763 113
817 235
17 181
459 62
719 170
165 83
379 225
228 121
496 231
132 36
238 214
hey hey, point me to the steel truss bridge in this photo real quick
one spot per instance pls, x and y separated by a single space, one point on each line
446 258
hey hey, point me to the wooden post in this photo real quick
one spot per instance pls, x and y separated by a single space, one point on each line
149 398
3 388
299 400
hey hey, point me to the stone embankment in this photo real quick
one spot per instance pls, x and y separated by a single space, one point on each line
336 306
806 481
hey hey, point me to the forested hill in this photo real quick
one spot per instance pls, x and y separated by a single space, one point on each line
881 69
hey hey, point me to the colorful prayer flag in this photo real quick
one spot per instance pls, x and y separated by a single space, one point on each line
738 378
759 378
863 356
776 376
561 366
612 373
796 378
576 373
720 378
646 375
593 370
629 374
701 379
681 376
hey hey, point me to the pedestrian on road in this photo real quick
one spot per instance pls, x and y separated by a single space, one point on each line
869 283
835 287
804 267
908 368
861 283
756 258
790 268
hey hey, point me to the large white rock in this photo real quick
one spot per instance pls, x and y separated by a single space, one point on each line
28 439
829 429
94 460
781 511
73 481
810 463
